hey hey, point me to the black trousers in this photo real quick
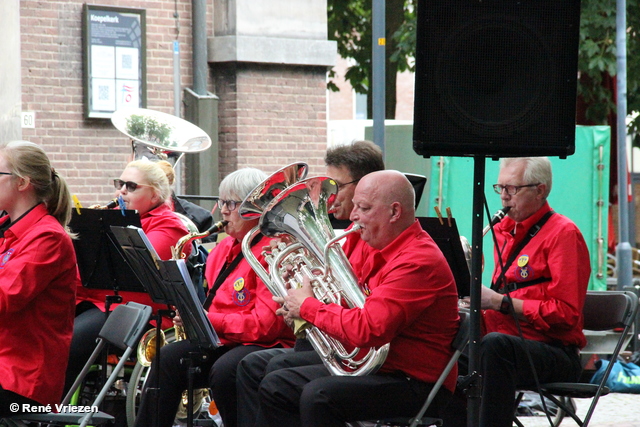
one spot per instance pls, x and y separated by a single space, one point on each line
253 368
505 369
309 396
218 372
11 403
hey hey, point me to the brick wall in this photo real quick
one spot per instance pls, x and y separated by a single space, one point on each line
270 115
90 152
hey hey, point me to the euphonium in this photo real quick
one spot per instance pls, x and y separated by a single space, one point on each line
301 212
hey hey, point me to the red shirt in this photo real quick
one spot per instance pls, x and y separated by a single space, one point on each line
412 303
38 280
243 311
553 309
163 229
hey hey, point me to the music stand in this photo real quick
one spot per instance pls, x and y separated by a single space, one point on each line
143 261
168 282
447 238
196 325
100 260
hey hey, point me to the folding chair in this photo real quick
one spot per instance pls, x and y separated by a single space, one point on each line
124 328
459 343
604 311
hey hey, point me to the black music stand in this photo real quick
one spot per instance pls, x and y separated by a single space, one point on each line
168 282
100 260
445 233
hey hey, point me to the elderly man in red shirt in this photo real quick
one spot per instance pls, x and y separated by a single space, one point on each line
546 268
411 302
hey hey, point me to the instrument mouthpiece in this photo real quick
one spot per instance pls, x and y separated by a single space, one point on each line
497 217
217 226
112 204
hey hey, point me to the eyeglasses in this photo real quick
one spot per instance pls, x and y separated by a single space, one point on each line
131 186
6 173
511 189
231 204
341 186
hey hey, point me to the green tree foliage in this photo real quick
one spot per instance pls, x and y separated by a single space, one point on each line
350 25
597 60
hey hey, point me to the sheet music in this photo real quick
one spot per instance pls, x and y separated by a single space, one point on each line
197 325
146 241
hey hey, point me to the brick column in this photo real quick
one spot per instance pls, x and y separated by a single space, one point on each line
268 62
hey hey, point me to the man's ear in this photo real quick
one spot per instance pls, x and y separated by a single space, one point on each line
396 211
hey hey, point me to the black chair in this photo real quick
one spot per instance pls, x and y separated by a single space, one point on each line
608 323
459 343
124 328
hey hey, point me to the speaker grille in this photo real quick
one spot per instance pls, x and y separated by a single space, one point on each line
496 78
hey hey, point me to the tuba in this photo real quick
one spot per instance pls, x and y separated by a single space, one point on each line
158 135
300 211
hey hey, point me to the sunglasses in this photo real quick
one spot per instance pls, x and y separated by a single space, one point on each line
131 186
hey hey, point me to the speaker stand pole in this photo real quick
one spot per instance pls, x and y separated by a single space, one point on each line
475 388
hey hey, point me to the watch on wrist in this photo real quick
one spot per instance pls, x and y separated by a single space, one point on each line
505 307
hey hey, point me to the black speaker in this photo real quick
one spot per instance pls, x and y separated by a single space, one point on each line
496 77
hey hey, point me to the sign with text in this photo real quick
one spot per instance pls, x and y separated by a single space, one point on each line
114 59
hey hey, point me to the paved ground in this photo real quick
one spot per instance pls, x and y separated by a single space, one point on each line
613 410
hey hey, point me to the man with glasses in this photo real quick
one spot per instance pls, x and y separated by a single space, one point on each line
346 164
533 308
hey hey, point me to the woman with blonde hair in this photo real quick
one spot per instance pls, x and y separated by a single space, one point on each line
142 186
38 278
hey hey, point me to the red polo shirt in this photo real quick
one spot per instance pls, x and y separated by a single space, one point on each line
553 309
38 280
412 303
243 310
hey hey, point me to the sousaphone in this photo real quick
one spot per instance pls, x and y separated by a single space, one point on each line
157 135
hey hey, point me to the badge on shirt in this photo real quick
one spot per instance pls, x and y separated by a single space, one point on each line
238 285
524 273
242 297
523 260
6 256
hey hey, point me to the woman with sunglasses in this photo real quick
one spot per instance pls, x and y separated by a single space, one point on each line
38 278
142 186
240 308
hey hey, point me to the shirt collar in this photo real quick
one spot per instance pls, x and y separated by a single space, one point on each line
524 226
21 225
406 236
158 210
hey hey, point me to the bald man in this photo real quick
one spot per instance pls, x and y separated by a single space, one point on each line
410 302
